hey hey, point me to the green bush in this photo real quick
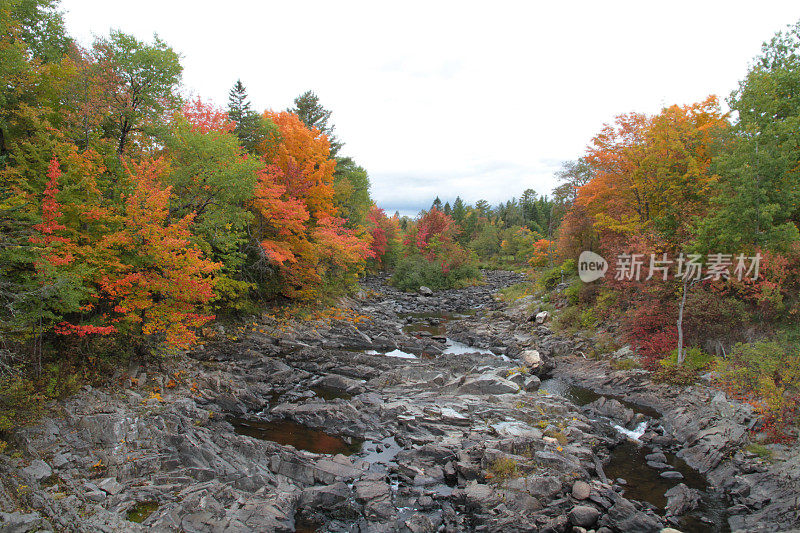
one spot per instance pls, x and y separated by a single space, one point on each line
414 271
767 373
588 319
551 277
568 319
573 293
696 361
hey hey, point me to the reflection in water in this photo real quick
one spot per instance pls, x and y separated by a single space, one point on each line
329 393
628 461
582 396
291 433
573 393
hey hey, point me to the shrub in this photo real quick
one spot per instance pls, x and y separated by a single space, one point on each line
573 292
767 374
503 468
516 291
568 319
650 328
628 363
588 319
413 271
696 361
551 277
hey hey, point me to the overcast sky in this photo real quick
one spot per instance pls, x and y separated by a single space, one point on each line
482 99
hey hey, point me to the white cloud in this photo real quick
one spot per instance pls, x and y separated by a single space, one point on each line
450 98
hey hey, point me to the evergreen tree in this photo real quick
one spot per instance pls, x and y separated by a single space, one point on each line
459 210
313 115
251 128
447 209
437 203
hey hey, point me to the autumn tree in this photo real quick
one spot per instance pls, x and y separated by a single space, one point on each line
654 173
758 202
351 192
146 76
213 180
325 253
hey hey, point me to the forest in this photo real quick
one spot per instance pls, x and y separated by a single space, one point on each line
134 215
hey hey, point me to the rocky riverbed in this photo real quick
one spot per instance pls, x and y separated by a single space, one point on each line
426 412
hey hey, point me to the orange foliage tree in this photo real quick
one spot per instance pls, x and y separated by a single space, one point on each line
298 227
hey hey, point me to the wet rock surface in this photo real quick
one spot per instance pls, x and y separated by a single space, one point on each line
709 432
414 412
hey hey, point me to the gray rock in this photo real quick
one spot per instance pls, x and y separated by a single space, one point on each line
488 384
110 485
611 408
581 490
583 515
671 474
60 460
623 516
371 490
480 496
656 457
681 499
532 384
324 496
18 522
531 358
38 470
425 291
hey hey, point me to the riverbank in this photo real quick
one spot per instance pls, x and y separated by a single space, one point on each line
404 412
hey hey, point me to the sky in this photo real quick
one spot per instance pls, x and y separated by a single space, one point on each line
477 99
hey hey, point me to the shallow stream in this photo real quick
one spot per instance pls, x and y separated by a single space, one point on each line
628 462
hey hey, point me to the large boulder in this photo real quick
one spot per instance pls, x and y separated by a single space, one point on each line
681 499
38 470
531 358
583 516
488 384
612 409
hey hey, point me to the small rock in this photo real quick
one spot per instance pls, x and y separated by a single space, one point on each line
581 490
542 317
488 384
656 457
18 522
681 499
671 474
110 485
60 460
425 291
532 384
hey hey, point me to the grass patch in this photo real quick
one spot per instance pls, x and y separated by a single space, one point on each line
141 511
517 291
760 450
627 363
696 361
503 468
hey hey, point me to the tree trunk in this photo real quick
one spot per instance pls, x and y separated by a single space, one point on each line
681 352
